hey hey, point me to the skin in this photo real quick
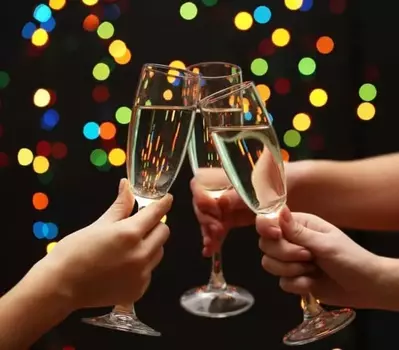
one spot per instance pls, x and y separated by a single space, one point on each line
339 192
107 263
310 255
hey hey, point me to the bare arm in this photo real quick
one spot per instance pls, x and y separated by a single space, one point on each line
30 310
361 194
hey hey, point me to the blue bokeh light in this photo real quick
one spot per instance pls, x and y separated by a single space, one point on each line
262 14
306 5
270 117
111 12
49 25
248 116
42 13
50 119
50 231
38 229
91 130
28 30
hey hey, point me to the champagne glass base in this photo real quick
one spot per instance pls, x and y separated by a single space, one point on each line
217 303
122 322
321 326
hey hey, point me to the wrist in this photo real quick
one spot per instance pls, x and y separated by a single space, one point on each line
44 284
387 284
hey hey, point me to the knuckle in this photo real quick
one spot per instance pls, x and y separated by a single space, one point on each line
127 235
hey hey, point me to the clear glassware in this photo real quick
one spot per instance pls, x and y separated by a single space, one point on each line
162 121
249 149
216 299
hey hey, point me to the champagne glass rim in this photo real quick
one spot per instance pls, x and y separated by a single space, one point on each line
165 70
222 94
209 77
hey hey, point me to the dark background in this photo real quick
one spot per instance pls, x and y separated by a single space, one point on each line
364 34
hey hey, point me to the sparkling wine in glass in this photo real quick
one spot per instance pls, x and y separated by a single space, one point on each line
162 121
216 299
249 149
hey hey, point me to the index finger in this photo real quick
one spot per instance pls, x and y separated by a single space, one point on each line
147 218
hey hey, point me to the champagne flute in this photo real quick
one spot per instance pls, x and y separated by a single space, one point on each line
249 149
217 299
162 121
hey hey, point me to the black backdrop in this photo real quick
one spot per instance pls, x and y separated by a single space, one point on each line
363 32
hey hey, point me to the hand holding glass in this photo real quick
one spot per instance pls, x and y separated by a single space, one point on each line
162 121
249 149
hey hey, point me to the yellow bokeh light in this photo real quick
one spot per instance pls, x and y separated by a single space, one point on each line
264 91
40 37
90 2
177 64
168 95
117 49
57 4
25 156
366 111
172 75
41 98
117 157
40 165
243 21
293 4
50 246
125 59
301 122
318 97
281 37
164 218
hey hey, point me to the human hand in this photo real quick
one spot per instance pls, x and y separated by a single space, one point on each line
109 262
311 255
217 216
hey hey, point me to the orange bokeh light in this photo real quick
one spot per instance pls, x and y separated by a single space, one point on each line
125 59
325 45
107 131
40 201
91 23
285 155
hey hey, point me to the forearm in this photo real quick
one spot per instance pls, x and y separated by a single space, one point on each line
29 310
361 194
386 293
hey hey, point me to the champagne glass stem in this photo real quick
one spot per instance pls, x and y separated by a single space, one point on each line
311 307
125 309
129 309
217 280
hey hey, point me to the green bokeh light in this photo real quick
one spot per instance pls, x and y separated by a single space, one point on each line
123 115
307 66
98 157
368 92
4 79
188 11
105 30
292 138
101 71
210 2
259 67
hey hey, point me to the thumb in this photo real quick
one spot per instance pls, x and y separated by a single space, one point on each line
297 233
122 206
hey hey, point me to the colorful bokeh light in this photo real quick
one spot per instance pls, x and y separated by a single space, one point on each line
243 21
188 11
